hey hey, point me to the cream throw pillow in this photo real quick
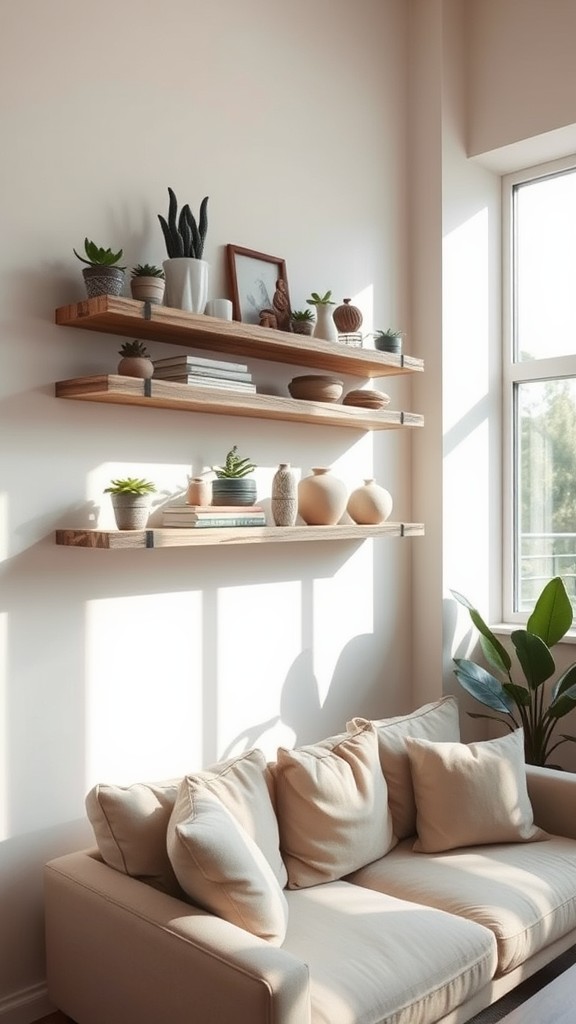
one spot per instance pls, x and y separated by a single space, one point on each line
471 795
438 721
220 867
332 807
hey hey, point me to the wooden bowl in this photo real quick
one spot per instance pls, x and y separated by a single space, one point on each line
314 387
366 399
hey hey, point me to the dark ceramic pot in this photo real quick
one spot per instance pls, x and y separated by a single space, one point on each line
234 491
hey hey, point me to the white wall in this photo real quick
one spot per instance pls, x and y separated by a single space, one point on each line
129 665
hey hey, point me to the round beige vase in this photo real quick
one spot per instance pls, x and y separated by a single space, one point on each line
322 498
136 366
370 504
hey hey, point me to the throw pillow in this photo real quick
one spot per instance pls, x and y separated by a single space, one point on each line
220 867
332 806
471 795
243 784
438 721
129 824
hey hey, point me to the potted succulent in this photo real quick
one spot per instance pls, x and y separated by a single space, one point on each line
102 276
186 272
147 283
231 486
325 327
521 705
302 321
135 360
131 498
388 341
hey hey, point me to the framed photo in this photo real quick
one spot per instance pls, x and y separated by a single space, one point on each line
254 278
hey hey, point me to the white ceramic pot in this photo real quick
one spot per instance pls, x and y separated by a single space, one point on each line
325 328
370 504
186 283
322 498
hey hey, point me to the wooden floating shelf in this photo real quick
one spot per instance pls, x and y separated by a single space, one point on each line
114 315
162 394
176 537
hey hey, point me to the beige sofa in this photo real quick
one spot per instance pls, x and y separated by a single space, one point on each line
335 886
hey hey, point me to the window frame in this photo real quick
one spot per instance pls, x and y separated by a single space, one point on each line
513 373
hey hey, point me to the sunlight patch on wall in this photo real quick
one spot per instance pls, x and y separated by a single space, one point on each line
144 686
343 609
260 666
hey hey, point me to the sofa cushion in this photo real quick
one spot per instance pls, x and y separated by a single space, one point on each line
373 958
129 824
471 794
523 892
437 721
220 867
332 806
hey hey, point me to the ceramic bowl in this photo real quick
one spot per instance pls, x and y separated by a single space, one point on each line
315 387
366 399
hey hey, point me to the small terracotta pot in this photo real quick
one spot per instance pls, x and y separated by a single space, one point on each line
136 366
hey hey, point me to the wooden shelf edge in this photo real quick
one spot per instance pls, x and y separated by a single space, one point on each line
175 537
117 315
160 394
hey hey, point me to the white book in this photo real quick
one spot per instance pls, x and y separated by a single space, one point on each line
200 361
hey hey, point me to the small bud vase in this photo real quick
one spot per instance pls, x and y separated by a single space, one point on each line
370 504
325 328
199 491
321 498
284 503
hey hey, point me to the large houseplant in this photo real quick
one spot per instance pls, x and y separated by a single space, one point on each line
185 270
529 705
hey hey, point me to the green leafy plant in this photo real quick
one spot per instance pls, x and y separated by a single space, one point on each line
303 316
321 300
130 485
134 349
183 236
526 705
99 257
234 467
146 270
389 333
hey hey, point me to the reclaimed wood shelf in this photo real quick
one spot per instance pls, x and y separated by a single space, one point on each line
178 537
110 314
160 394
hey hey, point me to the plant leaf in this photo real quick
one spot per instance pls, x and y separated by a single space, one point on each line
483 686
552 615
498 655
564 682
520 695
563 703
535 658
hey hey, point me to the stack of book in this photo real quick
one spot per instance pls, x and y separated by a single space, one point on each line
199 516
204 372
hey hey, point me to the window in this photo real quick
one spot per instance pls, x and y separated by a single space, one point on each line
539 383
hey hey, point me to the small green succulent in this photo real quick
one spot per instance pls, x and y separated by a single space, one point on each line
389 333
234 467
99 257
303 316
130 485
134 349
321 300
146 270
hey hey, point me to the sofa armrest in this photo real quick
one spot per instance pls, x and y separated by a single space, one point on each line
118 950
553 797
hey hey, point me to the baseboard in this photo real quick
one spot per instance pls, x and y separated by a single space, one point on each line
26 1006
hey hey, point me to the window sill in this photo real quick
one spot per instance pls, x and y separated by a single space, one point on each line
506 628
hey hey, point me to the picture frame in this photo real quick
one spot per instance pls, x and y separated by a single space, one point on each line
254 279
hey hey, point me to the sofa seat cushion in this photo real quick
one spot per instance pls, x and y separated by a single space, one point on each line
361 948
524 893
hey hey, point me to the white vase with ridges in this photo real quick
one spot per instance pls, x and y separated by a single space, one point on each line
186 283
